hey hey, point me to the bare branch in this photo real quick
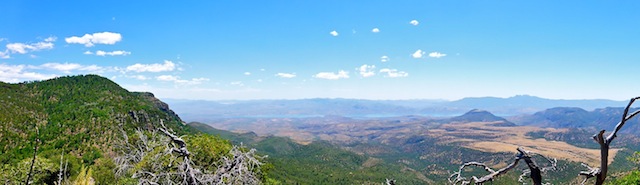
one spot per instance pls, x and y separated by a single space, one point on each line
35 153
624 119
489 177
390 182
601 173
163 167
534 171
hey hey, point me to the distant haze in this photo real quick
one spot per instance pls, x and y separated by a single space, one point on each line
200 110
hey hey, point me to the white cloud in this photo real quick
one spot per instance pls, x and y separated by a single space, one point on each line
169 78
23 48
51 39
286 75
375 30
4 54
90 40
414 22
262 69
334 33
394 73
436 54
366 70
166 66
177 80
418 54
332 76
237 83
88 53
139 77
68 67
247 73
112 53
384 58
17 73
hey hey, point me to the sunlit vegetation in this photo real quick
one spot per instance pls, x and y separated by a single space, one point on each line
81 121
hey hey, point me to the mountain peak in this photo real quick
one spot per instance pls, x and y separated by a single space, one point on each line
478 115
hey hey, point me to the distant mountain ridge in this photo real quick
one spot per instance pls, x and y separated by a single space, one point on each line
573 117
200 110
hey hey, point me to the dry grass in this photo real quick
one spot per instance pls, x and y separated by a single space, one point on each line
507 139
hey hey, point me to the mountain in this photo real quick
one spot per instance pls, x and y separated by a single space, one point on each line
206 111
79 117
523 104
477 115
572 117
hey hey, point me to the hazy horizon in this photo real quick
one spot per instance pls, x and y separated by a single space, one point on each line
435 100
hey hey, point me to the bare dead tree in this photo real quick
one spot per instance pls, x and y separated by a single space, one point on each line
390 182
601 172
35 153
534 171
242 168
61 173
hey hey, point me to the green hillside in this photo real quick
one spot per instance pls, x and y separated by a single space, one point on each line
319 162
81 120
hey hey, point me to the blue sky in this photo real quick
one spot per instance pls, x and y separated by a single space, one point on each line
218 50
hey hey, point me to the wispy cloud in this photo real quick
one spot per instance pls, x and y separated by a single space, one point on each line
334 33
112 53
4 54
17 73
24 48
90 40
68 67
138 77
237 83
418 54
286 75
384 59
394 73
177 80
166 66
375 30
366 70
51 39
414 22
247 73
332 76
437 55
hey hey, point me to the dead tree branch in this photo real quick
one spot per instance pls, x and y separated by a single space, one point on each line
601 173
390 182
534 171
160 164
35 153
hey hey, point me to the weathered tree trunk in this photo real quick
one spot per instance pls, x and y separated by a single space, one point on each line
35 153
605 143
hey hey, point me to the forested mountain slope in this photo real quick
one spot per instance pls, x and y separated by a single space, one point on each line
80 125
